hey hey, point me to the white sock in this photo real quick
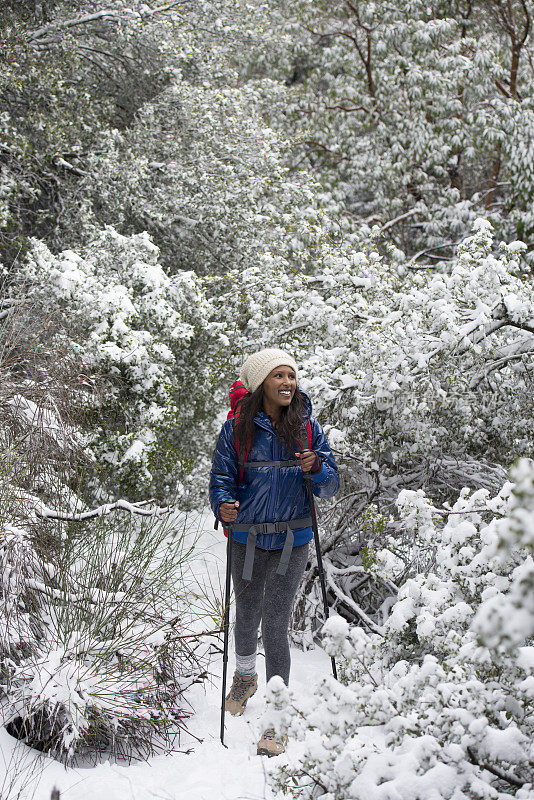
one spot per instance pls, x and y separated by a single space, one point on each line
246 665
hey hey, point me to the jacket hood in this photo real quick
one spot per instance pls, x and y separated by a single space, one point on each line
308 407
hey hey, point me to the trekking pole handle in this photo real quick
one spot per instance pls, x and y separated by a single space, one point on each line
226 525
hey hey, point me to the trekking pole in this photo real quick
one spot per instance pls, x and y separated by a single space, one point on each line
226 623
311 498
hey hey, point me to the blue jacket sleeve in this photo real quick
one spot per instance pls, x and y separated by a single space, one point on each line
326 482
224 475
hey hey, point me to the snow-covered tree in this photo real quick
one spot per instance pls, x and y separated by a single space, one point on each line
76 72
203 174
414 115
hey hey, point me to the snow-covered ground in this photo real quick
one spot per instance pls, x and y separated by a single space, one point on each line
210 771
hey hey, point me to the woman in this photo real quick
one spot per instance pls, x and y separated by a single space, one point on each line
257 487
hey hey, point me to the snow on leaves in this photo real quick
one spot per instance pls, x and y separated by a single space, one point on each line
414 115
127 319
453 711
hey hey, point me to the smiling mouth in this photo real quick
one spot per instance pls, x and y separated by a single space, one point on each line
285 392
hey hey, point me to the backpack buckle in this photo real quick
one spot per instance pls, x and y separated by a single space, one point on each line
260 527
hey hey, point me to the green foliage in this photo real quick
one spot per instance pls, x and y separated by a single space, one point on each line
368 556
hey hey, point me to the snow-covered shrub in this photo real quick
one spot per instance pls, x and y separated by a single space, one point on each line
438 704
150 337
506 619
94 651
108 660
93 646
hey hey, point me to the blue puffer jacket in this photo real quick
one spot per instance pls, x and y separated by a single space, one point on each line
270 494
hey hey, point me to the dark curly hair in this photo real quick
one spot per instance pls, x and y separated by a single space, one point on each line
289 428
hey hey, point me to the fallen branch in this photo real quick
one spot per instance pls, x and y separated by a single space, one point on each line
350 602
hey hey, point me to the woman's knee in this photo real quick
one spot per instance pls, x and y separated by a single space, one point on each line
275 631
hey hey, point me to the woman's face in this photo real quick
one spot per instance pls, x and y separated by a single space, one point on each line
279 386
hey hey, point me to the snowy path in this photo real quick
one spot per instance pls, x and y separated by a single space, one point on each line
210 772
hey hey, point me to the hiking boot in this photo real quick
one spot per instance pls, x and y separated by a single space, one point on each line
243 687
270 744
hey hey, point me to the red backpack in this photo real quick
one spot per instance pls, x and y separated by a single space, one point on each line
237 391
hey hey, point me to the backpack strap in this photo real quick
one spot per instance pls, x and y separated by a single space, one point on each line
240 461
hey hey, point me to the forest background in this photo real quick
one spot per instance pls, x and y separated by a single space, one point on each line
183 183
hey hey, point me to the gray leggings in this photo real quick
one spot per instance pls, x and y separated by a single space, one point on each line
267 598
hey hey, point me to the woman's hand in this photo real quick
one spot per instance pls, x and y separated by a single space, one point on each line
228 511
307 459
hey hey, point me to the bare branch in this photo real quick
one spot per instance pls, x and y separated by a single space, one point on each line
356 13
320 146
484 331
348 110
517 350
105 13
291 329
523 326
435 247
151 12
44 512
70 167
502 89
71 23
398 219
329 34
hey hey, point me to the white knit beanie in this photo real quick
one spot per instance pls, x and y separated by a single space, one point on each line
258 365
